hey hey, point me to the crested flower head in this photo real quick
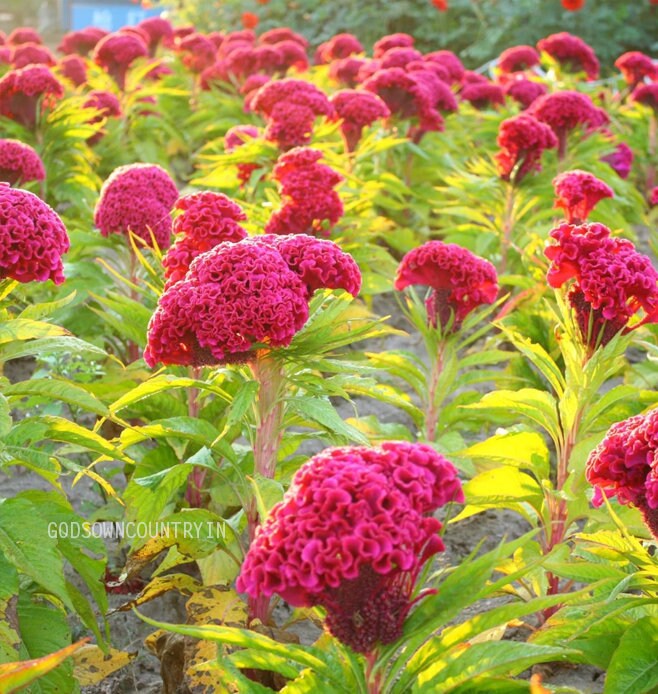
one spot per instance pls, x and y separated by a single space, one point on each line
22 90
137 198
450 62
346 70
351 534
197 52
73 68
522 141
115 53
32 238
635 66
24 35
609 280
572 53
338 47
159 31
81 42
389 41
524 91
19 163
460 281
621 159
646 94
578 192
517 59
483 95
107 105
31 54
625 465
399 57
278 34
357 109
240 297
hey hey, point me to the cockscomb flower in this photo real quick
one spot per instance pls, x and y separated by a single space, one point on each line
288 54
647 94
23 90
524 91
357 109
517 59
389 41
653 196
206 220
24 35
278 34
81 42
610 280
31 54
159 30
19 163
237 136
238 298
197 52
250 88
572 53
573 5
565 111
578 192
137 198
338 47
459 280
73 68
351 534
483 95
449 61
625 465
107 105
428 66
115 53
399 57
621 159
346 71
32 238
635 66
522 141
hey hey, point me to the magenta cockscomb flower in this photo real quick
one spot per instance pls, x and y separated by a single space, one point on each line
621 159
107 105
578 192
522 141
635 66
115 53
572 53
160 32
81 42
459 281
73 68
310 203
197 52
357 109
137 198
625 465
32 238
31 54
338 47
385 43
278 34
237 136
23 91
347 70
351 535
483 95
646 94
449 61
517 59
24 35
610 282
524 91
241 297
399 57
19 163
206 219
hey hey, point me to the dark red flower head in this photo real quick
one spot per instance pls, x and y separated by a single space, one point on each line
399 57
460 281
116 52
625 465
81 42
23 90
32 238
289 54
19 163
351 534
73 68
31 54
196 52
572 53
392 41
159 31
441 5
610 280
137 198
525 91
517 59
274 36
621 159
483 95
338 47
428 66
357 109
450 62
24 35
346 70
522 141
635 66
237 298
646 94
578 192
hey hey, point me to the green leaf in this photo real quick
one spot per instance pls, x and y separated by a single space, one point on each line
5 416
59 390
634 665
524 449
321 410
242 402
48 345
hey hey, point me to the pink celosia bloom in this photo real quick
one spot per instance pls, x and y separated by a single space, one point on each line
137 198
338 47
19 163
24 35
525 91
471 77
23 90
653 196
522 141
565 111
216 37
290 54
159 30
635 66
311 206
238 298
572 53
197 52
625 465
392 41
646 94
483 95
611 281
236 39
351 534
32 238
368 69
460 281
441 96
450 62
274 36
357 110
250 88
31 54
108 106
517 59
115 53
206 220
82 41
236 137
5 55
621 159
399 57
73 68
346 70
578 192
428 66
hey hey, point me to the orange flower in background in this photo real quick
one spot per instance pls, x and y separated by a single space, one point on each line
442 5
575 5
249 20
262 2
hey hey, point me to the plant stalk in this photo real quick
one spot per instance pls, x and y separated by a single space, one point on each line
432 409
194 492
508 226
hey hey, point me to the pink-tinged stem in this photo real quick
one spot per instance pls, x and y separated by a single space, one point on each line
432 410
373 679
194 492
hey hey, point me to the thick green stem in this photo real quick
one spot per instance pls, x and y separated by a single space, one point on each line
432 406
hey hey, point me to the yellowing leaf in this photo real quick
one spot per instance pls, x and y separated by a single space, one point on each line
93 666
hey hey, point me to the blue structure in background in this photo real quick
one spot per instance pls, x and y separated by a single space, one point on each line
108 14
